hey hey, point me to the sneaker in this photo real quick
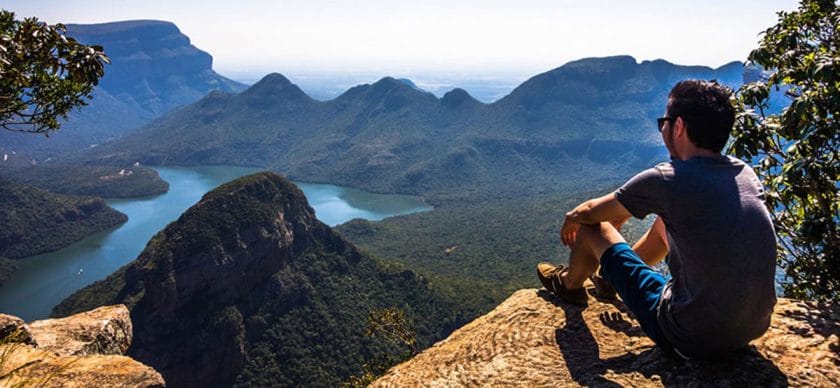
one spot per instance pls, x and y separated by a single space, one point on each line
603 288
550 278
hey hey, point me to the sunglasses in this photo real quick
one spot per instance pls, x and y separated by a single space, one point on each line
660 122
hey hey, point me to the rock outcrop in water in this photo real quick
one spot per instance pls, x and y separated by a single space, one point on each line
83 350
248 287
532 340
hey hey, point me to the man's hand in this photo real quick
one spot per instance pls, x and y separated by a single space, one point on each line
568 232
593 211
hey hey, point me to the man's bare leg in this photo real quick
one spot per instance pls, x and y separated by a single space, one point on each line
653 246
590 243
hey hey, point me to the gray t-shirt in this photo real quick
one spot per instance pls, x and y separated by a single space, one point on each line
722 250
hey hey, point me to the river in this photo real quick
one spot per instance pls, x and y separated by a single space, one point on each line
43 281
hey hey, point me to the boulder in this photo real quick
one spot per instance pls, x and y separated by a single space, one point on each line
13 330
531 339
82 350
105 330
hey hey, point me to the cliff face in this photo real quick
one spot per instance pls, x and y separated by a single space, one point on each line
83 350
532 340
154 66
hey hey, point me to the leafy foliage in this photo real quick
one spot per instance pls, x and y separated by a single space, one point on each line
796 151
44 74
392 325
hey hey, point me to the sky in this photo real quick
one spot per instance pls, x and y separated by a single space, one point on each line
470 37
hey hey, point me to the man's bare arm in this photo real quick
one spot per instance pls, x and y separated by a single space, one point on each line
601 209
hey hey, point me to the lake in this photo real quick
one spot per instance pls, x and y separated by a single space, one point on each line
43 281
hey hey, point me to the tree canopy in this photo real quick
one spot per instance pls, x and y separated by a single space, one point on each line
795 151
44 74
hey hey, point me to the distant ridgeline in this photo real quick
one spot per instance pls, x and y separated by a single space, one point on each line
587 121
153 69
248 287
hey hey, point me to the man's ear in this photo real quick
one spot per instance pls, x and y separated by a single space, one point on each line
679 127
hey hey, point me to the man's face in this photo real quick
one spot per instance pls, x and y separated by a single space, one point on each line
668 132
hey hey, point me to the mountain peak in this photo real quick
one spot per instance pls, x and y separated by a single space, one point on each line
216 259
274 79
580 81
264 186
245 221
611 61
408 82
393 93
600 69
457 98
391 82
734 65
388 83
275 85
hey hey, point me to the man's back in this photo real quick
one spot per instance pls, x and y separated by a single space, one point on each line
722 250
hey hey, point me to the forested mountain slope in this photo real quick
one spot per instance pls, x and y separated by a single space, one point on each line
248 287
583 122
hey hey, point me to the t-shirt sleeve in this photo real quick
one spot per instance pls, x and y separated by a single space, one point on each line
643 194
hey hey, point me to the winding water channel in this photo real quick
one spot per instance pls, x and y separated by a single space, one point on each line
43 281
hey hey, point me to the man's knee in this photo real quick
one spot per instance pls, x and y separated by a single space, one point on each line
599 237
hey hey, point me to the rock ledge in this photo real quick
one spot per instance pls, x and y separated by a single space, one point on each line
82 350
532 340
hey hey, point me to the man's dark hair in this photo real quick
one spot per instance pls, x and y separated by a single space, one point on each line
706 111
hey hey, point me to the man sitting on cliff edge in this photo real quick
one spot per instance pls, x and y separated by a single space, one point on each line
711 224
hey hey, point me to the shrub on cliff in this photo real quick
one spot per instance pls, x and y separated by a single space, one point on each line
795 152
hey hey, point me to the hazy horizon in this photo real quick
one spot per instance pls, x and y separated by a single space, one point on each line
486 87
467 39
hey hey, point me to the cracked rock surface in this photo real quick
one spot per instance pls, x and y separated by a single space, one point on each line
531 339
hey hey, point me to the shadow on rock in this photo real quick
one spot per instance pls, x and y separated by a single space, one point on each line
745 367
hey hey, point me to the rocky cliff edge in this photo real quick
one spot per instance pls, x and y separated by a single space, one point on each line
82 350
533 340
